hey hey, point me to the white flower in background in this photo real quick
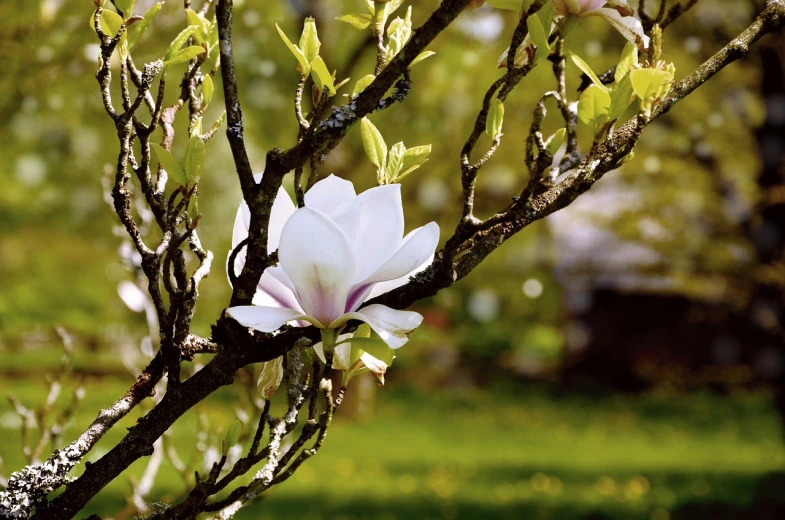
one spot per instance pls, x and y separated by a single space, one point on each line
618 13
338 251
132 296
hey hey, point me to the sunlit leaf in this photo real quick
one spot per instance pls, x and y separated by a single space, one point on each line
126 6
555 141
194 18
301 59
309 40
375 347
627 62
539 37
593 106
587 70
136 31
509 5
413 158
647 82
321 76
207 89
622 96
373 142
395 159
194 159
179 41
420 57
184 55
357 20
495 119
170 164
232 436
362 84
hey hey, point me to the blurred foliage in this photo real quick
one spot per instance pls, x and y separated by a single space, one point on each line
57 252
503 455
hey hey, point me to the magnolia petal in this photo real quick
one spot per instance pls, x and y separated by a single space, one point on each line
267 319
329 194
317 258
391 325
622 6
319 350
385 287
380 228
523 54
377 367
349 218
569 6
417 248
277 290
629 26
590 5
342 356
282 209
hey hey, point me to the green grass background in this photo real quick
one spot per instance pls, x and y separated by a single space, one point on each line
504 453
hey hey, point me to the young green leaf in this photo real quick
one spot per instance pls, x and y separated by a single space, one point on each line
194 18
197 127
137 30
539 37
126 7
170 164
212 56
110 22
545 14
587 70
193 209
413 158
555 141
184 55
194 159
207 90
357 20
179 41
382 10
420 57
399 32
622 96
321 76
509 5
362 84
395 160
301 59
309 40
593 106
647 82
627 62
375 347
375 147
495 119
232 437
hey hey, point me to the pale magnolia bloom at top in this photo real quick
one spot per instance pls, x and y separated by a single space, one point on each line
338 251
618 13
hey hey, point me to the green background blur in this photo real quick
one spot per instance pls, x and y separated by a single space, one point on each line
476 420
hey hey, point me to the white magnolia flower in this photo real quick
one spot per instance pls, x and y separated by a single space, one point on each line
338 251
618 13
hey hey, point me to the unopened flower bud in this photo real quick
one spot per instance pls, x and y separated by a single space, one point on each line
270 377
